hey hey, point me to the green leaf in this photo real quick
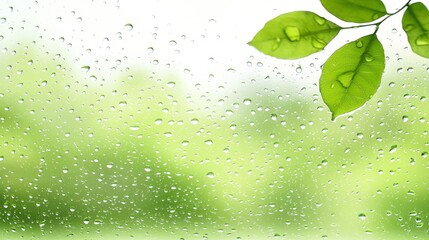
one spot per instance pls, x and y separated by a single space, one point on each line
416 24
359 11
352 75
294 35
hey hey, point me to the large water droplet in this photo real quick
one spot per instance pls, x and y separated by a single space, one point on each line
346 78
210 175
292 33
423 40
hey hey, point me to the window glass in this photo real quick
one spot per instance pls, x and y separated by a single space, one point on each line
156 120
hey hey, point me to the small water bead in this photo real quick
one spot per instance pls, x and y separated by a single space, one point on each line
319 20
247 101
276 44
359 44
134 128
171 84
369 58
318 43
210 175
362 216
85 68
393 148
128 27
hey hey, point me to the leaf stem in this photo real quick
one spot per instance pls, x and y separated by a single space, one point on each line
377 24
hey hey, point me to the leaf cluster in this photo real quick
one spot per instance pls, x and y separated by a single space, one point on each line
352 74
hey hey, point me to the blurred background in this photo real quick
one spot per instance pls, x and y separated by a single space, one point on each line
155 120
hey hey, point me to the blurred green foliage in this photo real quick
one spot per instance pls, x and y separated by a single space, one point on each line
140 157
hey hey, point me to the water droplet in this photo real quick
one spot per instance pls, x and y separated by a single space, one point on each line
393 148
134 128
210 175
208 142
423 40
298 69
128 27
318 43
409 27
276 44
85 68
362 216
98 222
368 57
122 103
173 43
171 84
319 20
93 78
247 101
375 16
292 33
405 118
346 78
109 165
86 221
359 44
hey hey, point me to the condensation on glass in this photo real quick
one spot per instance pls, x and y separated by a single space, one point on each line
156 120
